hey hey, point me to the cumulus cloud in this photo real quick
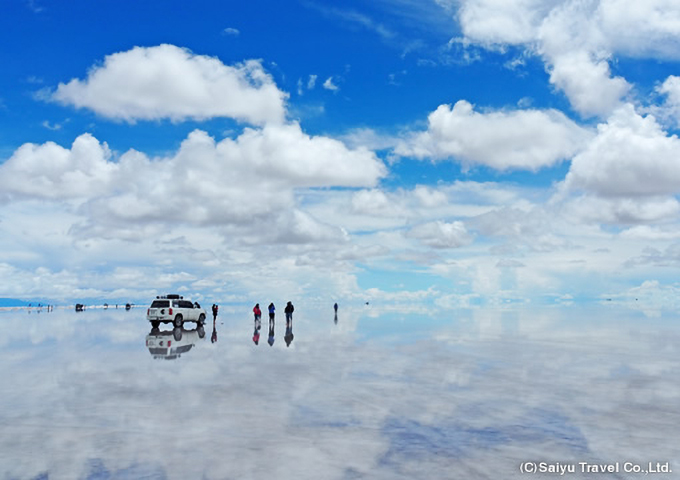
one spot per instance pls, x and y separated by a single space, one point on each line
234 181
495 22
630 156
376 203
671 106
523 139
151 83
587 83
621 210
652 28
54 172
577 40
441 234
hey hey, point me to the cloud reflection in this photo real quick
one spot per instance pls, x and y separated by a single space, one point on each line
464 394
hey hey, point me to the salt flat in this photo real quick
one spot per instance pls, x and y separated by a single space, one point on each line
382 393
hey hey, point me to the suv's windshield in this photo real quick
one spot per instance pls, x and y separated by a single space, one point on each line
160 304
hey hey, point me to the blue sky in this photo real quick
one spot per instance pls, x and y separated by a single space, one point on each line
444 152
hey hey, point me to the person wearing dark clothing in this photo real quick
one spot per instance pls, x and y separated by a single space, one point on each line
289 314
215 308
335 307
272 313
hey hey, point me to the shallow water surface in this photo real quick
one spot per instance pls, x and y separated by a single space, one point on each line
371 394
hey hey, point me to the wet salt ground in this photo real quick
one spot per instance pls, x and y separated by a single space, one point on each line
380 394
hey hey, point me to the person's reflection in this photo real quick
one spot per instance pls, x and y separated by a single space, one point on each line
271 331
213 337
289 335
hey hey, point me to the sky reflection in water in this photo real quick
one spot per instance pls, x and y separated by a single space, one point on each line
464 394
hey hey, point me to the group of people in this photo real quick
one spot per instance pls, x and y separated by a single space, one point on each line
257 312
288 337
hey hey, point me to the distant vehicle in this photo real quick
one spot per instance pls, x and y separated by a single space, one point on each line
170 345
174 309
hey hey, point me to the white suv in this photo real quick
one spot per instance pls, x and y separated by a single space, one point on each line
174 309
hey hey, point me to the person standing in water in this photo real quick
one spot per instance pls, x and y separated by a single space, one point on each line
289 314
215 308
258 316
272 313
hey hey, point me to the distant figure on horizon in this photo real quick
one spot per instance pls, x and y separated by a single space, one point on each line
289 314
215 309
335 307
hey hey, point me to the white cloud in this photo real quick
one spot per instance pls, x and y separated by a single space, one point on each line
441 234
647 232
622 210
52 126
671 106
430 197
329 85
577 40
587 83
52 171
494 22
235 32
524 139
311 83
376 203
171 82
642 29
245 182
630 156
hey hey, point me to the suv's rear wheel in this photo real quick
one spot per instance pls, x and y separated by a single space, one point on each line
155 324
201 319
177 334
179 321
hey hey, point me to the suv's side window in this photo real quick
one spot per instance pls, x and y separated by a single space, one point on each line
175 303
186 304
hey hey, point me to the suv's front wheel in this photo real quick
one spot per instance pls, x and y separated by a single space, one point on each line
201 319
179 321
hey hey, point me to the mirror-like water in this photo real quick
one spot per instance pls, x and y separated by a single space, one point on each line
369 394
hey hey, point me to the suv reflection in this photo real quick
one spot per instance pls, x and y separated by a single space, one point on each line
171 344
